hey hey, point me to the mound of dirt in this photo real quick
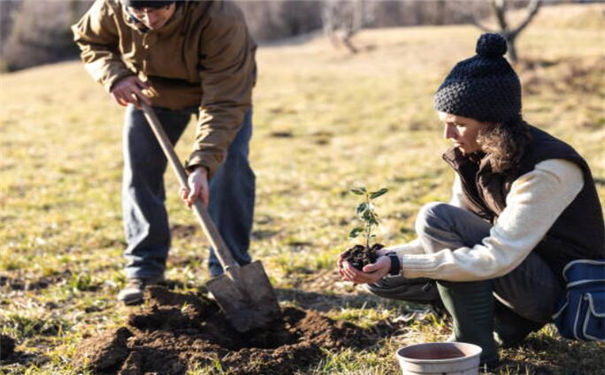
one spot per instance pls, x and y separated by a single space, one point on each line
176 332
7 346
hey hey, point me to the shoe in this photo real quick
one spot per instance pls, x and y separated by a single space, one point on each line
132 294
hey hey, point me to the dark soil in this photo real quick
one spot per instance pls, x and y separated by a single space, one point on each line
358 256
175 332
7 346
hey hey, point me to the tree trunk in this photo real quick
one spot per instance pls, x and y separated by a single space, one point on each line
499 10
512 50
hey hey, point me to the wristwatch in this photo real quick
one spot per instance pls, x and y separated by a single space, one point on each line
395 264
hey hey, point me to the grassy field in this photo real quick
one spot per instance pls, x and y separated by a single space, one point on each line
325 121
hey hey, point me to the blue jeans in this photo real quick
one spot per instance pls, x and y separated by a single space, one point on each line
232 191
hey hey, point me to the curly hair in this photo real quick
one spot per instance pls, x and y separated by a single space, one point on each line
505 143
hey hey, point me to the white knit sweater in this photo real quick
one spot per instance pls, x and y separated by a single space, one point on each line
534 203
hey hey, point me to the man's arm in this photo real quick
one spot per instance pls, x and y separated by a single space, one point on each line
97 37
227 64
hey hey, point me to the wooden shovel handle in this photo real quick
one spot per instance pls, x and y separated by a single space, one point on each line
221 250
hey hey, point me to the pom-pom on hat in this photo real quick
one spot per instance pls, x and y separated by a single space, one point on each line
484 87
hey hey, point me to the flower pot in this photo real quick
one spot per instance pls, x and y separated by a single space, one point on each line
439 358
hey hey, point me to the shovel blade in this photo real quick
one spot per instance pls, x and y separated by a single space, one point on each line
246 296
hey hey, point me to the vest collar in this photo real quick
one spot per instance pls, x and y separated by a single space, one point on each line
456 158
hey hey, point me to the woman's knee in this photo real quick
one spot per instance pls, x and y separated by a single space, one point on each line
432 215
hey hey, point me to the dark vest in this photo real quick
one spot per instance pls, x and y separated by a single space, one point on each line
578 233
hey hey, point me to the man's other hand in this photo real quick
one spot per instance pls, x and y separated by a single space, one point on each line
198 187
130 90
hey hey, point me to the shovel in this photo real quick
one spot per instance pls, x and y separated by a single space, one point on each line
243 293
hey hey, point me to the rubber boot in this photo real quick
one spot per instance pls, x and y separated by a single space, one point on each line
511 328
471 306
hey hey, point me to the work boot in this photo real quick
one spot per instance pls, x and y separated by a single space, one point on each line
132 294
471 306
511 328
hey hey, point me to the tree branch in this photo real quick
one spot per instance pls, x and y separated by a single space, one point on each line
499 7
532 10
472 19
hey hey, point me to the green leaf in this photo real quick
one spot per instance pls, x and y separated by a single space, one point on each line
355 232
359 191
378 193
361 208
367 215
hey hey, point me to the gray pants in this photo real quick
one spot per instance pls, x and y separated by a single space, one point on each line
531 290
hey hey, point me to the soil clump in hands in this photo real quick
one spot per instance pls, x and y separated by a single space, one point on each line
359 256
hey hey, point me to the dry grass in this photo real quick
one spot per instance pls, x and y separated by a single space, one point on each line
325 121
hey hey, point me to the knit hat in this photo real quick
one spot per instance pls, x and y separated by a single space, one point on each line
484 87
147 3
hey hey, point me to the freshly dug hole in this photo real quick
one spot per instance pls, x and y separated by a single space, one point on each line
176 332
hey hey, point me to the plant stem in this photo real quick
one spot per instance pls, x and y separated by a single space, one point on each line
368 224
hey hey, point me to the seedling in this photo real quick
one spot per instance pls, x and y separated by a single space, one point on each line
360 255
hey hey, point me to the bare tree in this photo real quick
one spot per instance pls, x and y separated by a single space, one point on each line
276 19
342 19
40 33
499 10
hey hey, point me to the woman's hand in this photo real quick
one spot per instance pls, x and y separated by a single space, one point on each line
371 272
198 187
384 251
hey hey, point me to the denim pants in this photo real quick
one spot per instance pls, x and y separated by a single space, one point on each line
531 290
147 231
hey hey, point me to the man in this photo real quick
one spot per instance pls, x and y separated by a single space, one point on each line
524 205
199 59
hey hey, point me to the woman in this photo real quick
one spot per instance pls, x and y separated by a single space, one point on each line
524 204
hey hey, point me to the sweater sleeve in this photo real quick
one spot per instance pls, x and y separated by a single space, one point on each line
412 247
534 203
457 193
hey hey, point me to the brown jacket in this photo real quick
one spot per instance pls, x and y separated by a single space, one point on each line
578 233
202 57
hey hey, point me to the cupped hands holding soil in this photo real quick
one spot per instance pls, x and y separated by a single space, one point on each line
359 256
